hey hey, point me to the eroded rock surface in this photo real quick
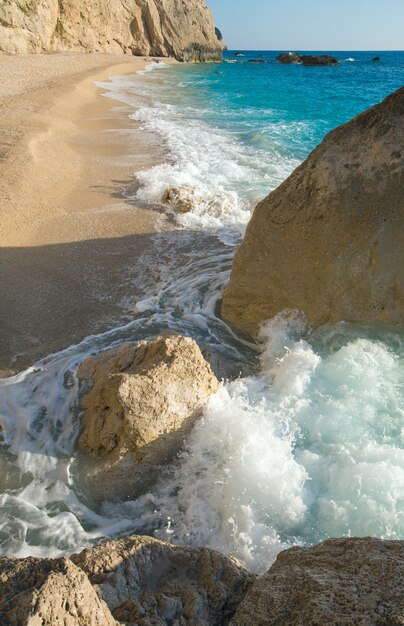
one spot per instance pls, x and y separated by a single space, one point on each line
329 241
49 592
144 398
149 582
176 28
136 581
341 581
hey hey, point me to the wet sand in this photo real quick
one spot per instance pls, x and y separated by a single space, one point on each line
69 241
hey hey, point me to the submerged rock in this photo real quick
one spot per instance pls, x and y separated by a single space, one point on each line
329 240
133 581
341 581
144 398
142 27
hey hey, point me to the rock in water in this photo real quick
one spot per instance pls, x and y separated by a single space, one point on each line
322 59
180 199
143 27
144 399
306 59
288 57
329 241
341 581
49 592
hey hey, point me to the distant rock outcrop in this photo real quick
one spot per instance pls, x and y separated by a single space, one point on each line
340 581
321 59
306 59
141 27
144 398
288 57
329 241
133 581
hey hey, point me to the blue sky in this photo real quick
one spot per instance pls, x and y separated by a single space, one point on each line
311 25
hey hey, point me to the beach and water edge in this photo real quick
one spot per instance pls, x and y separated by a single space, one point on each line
67 234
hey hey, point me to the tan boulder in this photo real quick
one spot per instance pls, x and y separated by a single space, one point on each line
149 582
143 27
144 399
329 241
49 592
340 581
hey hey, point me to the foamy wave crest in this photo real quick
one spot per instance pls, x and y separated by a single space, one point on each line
227 177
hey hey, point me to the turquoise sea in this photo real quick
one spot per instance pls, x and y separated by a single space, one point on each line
305 438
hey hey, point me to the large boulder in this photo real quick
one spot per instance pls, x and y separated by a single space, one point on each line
149 582
341 581
329 241
144 399
144 27
49 592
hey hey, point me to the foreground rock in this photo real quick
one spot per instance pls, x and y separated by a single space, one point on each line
134 581
306 59
144 398
145 581
141 27
49 592
341 581
329 240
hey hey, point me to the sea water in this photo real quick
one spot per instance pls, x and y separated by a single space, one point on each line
304 440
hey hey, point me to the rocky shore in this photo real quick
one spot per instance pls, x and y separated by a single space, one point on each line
327 242
139 581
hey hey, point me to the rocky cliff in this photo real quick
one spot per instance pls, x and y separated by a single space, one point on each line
178 28
329 240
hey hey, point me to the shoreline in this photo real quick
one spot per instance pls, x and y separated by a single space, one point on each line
69 239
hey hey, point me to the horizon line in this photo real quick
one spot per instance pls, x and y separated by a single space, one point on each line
310 50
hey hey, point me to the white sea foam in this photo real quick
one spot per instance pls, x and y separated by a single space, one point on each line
309 449
228 176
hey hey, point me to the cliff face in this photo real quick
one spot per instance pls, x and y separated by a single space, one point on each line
329 240
179 28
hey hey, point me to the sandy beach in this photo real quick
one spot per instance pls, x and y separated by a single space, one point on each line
68 239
